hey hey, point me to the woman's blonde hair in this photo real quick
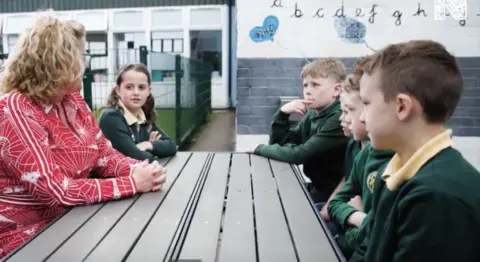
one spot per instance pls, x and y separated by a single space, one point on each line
47 59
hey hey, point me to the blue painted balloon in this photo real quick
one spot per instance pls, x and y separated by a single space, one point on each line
350 30
266 31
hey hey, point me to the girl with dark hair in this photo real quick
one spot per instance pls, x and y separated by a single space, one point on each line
128 121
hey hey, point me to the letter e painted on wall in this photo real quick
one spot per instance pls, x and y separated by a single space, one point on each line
456 8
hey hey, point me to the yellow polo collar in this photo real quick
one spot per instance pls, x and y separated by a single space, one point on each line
130 117
395 174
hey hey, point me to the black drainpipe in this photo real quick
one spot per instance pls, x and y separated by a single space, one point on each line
231 4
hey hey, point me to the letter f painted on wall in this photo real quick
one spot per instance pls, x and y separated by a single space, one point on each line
457 9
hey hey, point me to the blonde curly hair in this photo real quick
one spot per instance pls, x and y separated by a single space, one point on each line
47 60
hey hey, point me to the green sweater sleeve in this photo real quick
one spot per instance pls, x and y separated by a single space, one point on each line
360 251
328 137
355 236
434 226
338 208
165 146
114 128
281 132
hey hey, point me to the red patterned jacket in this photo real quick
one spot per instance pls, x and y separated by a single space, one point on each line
45 164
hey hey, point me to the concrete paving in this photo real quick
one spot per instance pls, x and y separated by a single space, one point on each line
218 135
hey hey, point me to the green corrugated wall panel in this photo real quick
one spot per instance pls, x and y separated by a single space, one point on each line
14 6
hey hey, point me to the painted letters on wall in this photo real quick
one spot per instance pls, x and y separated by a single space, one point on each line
304 28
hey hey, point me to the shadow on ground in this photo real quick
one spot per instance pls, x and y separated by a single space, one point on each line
218 135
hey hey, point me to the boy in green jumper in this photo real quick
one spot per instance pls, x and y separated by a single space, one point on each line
426 205
353 146
317 141
352 203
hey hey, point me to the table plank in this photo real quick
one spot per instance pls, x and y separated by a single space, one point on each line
125 233
202 237
238 237
304 223
42 245
84 240
273 236
155 242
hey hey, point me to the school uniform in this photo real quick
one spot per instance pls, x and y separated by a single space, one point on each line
317 142
425 210
125 130
351 152
361 182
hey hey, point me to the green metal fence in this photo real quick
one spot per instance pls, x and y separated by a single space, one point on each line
181 87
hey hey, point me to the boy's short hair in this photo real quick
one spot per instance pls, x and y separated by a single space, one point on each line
325 67
359 64
423 69
351 83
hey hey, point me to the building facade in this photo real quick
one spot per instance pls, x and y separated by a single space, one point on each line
200 29
277 37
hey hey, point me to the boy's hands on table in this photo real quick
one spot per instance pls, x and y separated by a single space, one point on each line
356 218
356 203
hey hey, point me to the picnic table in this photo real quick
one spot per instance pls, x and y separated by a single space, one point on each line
213 207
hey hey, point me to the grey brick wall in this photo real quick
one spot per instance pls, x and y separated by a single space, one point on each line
260 83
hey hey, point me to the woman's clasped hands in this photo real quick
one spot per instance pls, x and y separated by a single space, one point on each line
149 177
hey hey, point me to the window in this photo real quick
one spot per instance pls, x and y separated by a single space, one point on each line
11 42
165 45
167 42
127 48
2 53
206 45
96 51
168 45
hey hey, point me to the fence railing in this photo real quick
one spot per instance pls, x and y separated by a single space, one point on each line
181 87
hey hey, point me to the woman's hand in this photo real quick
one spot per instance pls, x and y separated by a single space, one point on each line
160 174
149 177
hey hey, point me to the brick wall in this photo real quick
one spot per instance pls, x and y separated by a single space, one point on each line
260 83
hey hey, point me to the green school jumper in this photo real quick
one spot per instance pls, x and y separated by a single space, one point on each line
124 133
361 182
433 216
317 142
353 148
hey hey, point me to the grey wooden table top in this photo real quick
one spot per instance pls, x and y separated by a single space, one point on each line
214 207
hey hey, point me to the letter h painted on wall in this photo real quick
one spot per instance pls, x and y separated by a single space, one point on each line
457 9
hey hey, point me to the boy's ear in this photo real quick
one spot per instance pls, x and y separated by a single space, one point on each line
405 107
337 90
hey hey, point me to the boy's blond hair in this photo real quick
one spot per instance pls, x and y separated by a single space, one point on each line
359 64
351 83
325 67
